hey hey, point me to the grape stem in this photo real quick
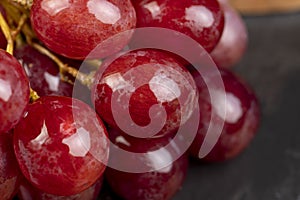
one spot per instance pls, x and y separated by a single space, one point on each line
19 16
10 43
85 79
21 23
24 3
33 95
7 33
18 11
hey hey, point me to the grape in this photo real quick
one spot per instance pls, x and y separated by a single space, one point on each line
43 73
29 192
234 40
144 93
160 183
241 119
65 147
202 20
74 28
10 174
14 91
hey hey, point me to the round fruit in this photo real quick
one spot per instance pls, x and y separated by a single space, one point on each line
14 91
202 20
74 28
42 72
234 40
144 93
240 121
61 145
29 192
159 183
10 174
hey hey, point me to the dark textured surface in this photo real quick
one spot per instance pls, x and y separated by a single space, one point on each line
270 168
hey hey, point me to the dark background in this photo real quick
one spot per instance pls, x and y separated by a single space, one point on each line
270 168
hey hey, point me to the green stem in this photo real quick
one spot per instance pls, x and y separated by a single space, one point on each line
16 10
85 79
7 33
18 14
33 95
21 23
26 4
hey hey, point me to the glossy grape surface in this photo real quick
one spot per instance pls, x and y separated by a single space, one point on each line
240 121
61 145
162 183
10 174
14 91
74 28
202 20
29 192
234 40
133 84
42 72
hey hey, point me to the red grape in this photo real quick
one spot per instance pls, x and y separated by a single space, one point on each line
43 73
60 146
144 93
29 192
74 28
9 171
159 183
234 40
241 118
65 147
14 91
202 20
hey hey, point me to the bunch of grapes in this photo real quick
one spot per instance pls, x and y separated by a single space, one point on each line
121 91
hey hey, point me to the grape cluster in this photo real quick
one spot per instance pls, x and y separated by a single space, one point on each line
79 103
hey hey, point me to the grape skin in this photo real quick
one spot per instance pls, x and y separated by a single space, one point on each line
73 29
202 20
10 174
159 183
65 148
164 82
241 120
29 192
234 40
